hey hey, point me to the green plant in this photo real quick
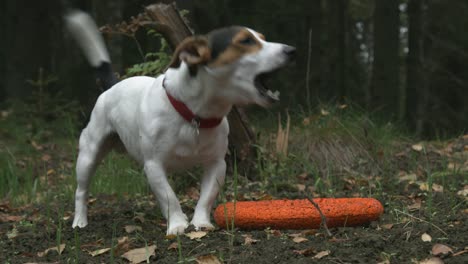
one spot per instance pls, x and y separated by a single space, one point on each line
154 62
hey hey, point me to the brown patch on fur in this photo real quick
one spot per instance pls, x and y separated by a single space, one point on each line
261 36
237 49
193 51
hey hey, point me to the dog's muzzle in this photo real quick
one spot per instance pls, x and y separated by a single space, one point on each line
261 79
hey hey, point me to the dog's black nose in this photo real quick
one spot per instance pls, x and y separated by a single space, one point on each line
290 51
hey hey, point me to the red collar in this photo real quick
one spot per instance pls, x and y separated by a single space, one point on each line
188 115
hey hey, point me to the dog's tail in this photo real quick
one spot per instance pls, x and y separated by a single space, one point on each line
84 30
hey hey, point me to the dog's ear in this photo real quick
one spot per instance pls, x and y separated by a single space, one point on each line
194 51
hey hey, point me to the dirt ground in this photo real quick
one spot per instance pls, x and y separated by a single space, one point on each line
409 231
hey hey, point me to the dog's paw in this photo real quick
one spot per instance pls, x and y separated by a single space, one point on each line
80 221
177 225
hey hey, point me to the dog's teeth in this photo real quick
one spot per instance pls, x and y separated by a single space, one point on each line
274 95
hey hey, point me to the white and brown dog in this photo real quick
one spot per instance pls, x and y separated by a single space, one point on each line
176 120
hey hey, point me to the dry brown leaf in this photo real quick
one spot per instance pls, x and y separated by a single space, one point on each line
463 192
322 254
248 240
139 255
173 246
426 237
45 157
306 252
437 187
132 228
415 206
433 260
196 234
207 259
58 249
140 217
300 239
99 252
408 177
10 218
387 226
300 187
440 249
417 147
123 244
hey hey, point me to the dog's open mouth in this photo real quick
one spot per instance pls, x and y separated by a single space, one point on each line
260 82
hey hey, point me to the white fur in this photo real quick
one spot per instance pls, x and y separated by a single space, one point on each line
154 134
85 32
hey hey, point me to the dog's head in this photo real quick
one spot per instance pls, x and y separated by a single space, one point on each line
235 61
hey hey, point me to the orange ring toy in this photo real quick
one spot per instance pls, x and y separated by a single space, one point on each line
298 214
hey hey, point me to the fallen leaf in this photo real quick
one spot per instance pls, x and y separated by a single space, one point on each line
423 186
45 157
140 217
463 192
417 147
324 112
13 233
132 228
408 177
437 188
193 193
306 252
322 254
170 237
139 255
300 239
426 237
440 249
196 234
415 206
342 106
207 259
433 260
99 252
300 187
123 244
58 249
173 245
10 218
248 240
387 226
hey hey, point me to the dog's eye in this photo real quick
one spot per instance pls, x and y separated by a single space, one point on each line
247 41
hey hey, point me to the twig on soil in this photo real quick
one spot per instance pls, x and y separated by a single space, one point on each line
323 222
422 220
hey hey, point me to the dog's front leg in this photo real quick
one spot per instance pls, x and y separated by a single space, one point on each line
212 181
167 199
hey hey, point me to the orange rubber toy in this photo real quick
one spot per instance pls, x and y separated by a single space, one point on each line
298 214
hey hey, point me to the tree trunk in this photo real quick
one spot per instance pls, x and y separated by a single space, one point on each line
385 74
414 71
174 29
